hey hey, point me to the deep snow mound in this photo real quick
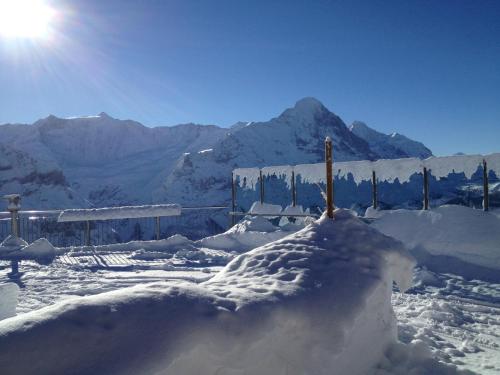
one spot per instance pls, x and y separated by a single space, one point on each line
448 232
311 303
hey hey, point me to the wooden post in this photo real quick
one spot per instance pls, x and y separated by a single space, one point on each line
329 177
87 233
157 228
294 191
233 200
426 189
374 190
261 188
486 193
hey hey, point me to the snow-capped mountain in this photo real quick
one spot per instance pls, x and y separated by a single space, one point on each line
390 146
102 161
295 137
40 187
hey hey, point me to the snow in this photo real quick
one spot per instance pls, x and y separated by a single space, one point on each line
11 244
40 249
388 170
308 303
470 235
124 212
258 208
249 233
8 300
457 319
15 248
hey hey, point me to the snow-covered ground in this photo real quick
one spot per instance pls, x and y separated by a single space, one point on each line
444 316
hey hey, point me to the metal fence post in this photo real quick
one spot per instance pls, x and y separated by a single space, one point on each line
294 191
426 189
13 206
329 177
233 200
261 180
157 222
87 233
486 193
374 190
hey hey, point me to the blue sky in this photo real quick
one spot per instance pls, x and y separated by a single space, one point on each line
427 69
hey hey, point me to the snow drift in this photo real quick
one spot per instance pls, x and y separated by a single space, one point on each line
311 302
467 234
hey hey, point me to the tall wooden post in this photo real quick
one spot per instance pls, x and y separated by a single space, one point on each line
426 189
233 200
374 190
329 177
294 191
261 180
486 193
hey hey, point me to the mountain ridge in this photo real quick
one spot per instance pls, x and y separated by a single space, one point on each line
107 161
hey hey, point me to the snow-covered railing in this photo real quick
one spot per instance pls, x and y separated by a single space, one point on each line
78 227
386 169
383 170
125 212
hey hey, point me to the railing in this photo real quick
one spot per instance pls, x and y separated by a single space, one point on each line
37 224
355 181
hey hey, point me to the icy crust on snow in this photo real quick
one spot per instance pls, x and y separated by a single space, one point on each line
125 212
456 231
8 300
386 169
311 302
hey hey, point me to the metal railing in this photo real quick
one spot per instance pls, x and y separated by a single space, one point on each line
35 224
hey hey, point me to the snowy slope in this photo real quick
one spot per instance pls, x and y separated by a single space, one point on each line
295 137
106 161
390 146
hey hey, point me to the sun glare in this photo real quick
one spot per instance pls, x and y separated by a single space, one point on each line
30 19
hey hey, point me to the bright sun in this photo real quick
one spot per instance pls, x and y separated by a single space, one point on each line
30 19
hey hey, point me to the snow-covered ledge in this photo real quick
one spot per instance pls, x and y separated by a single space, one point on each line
124 212
314 302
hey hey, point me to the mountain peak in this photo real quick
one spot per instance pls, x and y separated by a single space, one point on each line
305 110
358 125
308 104
104 115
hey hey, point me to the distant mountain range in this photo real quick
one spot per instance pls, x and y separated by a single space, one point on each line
102 161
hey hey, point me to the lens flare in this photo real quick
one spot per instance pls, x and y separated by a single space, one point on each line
25 19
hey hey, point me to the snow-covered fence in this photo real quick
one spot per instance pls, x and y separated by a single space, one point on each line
114 213
66 228
374 172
